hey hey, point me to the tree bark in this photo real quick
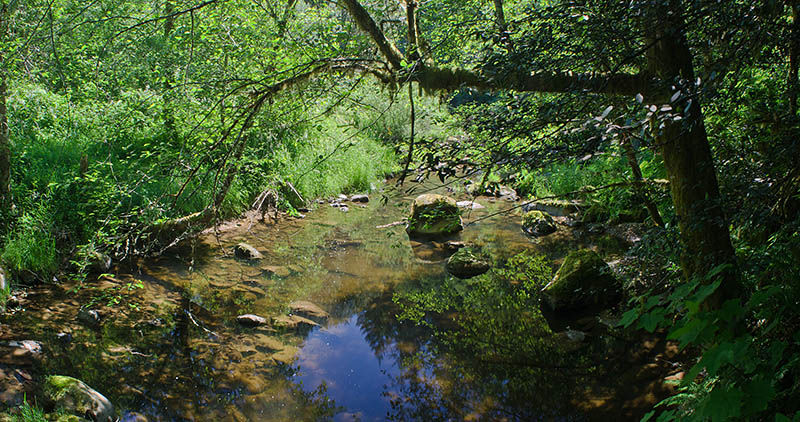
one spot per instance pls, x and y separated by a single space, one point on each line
687 157
365 22
413 32
5 141
502 26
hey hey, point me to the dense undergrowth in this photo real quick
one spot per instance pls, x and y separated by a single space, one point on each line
88 175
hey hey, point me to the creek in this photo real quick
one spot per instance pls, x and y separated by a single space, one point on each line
169 346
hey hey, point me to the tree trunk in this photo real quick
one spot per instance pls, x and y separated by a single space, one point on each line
5 142
411 18
684 146
502 26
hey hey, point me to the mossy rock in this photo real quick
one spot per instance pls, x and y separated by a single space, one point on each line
74 397
537 223
465 264
434 215
583 281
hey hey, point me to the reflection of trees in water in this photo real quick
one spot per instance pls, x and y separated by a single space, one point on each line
476 349
385 333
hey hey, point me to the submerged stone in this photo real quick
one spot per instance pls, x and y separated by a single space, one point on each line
537 223
250 320
74 397
90 317
465 264
308 310
21 353
276 270
583 281
434 215
246 251
293 323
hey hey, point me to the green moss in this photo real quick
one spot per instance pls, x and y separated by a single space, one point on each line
466 263
584 280
56 386
537 223
433 214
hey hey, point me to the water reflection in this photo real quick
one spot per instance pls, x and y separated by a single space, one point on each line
466 350
357 378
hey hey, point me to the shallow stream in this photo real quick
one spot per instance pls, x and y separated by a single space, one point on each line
169 346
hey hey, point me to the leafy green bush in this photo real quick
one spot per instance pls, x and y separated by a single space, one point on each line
749 362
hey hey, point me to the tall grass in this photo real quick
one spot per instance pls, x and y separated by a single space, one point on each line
83 174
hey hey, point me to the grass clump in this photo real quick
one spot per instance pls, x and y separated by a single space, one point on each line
31 247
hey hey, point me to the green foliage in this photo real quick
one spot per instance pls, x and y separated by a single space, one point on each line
29 413
31 247
748 349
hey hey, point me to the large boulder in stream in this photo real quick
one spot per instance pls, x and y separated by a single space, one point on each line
583 281
537 223
434 215
74 397
465 264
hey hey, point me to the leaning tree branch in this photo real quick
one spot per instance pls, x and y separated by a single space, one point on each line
365 22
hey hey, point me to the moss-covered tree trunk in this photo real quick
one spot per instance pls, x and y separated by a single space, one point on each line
687 154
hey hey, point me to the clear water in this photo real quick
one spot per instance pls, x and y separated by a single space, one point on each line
171 349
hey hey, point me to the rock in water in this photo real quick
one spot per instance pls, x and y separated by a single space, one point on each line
359 198
21 353
245 251
434 215
465 264
90 318
293 323
250 320
308 310
583 281
470 205
76 398
276 270
537 223
557 207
